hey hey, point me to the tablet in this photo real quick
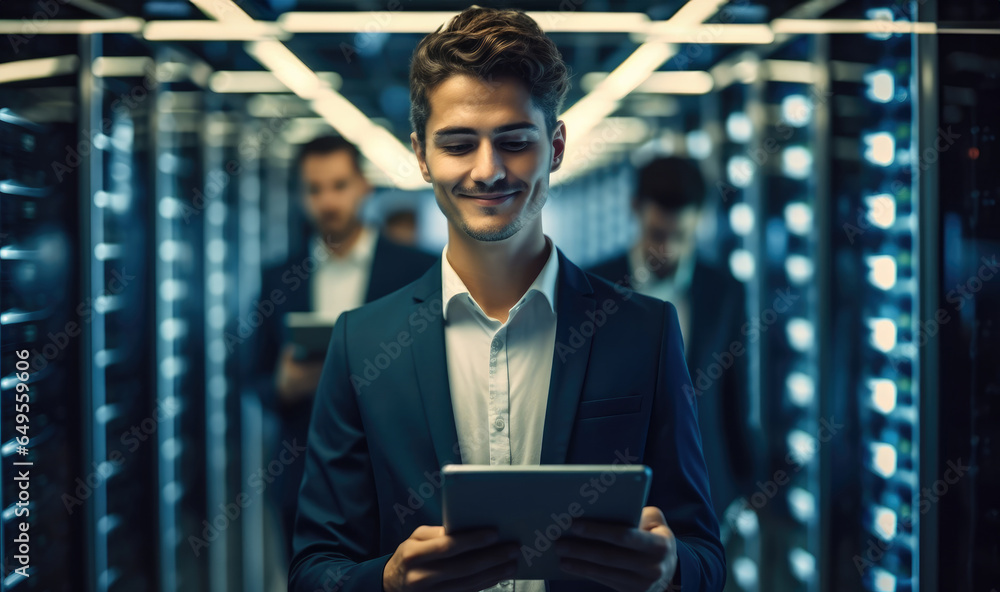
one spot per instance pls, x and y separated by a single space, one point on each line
535 504
310 333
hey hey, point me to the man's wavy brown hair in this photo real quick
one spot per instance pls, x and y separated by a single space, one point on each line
488 42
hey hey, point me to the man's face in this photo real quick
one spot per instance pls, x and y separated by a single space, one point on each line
487 155
667 236
334 192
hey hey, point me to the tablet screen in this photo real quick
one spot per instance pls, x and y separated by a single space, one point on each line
535 504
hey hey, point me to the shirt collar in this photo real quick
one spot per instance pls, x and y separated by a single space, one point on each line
362 251
680 280
544 284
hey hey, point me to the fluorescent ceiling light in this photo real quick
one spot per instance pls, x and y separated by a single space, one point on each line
590 22
710 33
223 10
249 82
429 21
212 31
364 22
677 83
72 27
601 102
696 11
38 68
344 116
655 105
619 131
278 105
115 66
287 67
828 26
791 71
374 141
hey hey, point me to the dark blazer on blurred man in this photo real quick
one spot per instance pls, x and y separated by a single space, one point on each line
711 306
345 264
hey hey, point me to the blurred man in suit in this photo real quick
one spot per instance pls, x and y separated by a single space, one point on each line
664 264
346 264
503 353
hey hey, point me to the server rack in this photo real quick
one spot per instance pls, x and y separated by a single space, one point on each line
769 113
788 300
188 536
960 262
120 417
43 489
876 312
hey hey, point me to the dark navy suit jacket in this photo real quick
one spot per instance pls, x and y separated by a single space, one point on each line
718 317
383 426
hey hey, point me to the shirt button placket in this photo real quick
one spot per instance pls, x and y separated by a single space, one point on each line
499 445
491 406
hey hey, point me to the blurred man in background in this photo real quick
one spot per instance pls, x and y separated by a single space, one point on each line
351 262
710 303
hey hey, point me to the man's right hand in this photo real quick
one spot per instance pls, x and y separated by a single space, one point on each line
460 562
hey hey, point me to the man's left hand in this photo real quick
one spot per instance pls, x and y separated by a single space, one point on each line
627 559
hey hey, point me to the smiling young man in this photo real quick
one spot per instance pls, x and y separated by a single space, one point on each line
503 353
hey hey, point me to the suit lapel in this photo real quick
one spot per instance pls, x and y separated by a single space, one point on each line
574 336
431 365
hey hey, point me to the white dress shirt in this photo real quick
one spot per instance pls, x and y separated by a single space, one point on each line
674 289
340 283
499 375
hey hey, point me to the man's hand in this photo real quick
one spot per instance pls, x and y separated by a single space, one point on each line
433 560
296 380
625 558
